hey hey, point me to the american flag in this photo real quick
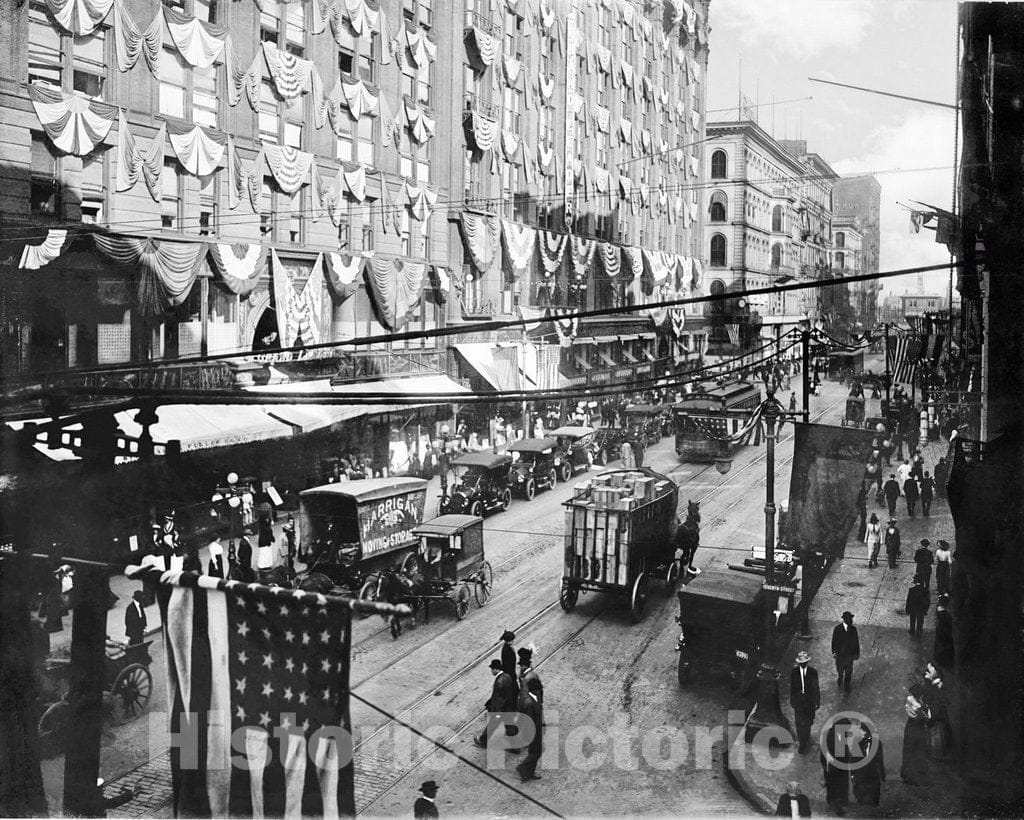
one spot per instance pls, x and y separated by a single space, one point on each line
254 674
904 353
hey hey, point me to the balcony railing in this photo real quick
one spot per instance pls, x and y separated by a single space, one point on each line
474 19
477 308
369 364
480 106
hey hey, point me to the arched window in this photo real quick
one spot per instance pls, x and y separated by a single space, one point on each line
718 251
777 219
776 255
840 240
719 207
717 287
840 261
718 163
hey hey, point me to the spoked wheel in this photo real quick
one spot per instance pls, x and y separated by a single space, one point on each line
477 509
409 563
639 598
566 471
602 457
568 595
671 578
506 500
53 729
461 601
552 478
530 490
484 582
368 592
131 691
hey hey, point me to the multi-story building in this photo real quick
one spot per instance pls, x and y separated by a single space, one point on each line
860 197
919 304
769 222
848 258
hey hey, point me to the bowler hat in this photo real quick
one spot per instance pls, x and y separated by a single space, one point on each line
429 787
525 656
847 614
925 542
802 656
508 636
495 664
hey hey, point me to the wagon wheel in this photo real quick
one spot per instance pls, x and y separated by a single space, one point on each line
506 500
483 584
53 726
131 691
461 599
639 598
552 478
566 471
671 577
368 592
409 563
530 490
602 457
477 509
568 595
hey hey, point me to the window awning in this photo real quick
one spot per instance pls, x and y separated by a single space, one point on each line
585 340
647 335
478 356
626 352
203 426
648 355
583 362
608 360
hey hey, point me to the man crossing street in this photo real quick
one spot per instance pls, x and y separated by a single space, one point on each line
845 649
804 697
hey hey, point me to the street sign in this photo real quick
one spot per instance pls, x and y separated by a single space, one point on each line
788 590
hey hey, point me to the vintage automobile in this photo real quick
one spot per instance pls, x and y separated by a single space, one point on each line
645 420
609 441
533 465
576 450
482 487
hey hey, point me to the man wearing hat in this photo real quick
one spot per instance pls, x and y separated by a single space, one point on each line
893 545
528 673
424 806
845 649
918 601
508 665
499 703
804 697
924 559
135 619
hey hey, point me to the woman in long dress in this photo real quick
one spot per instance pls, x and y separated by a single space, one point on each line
873 538
914 770
626 454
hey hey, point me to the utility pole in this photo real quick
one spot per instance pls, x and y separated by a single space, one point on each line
805 355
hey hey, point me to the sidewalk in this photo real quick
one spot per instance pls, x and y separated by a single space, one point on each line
889 655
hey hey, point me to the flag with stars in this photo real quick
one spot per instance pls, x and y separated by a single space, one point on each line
258 685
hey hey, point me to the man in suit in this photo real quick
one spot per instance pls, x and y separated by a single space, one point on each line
845 649
793 803
891 490
911 493
499 703
924 559
918 601
135 619
532 708
508 666
424 807
804 697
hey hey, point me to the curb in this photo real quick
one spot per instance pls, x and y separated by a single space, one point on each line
738 780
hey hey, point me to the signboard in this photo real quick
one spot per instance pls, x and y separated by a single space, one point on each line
387 524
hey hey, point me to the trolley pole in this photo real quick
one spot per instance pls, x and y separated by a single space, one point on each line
767 713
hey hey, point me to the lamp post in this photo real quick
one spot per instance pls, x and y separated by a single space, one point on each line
231 493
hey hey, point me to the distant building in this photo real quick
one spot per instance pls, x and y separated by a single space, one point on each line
919 305
860 198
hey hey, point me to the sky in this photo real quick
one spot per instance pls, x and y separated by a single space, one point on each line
902 46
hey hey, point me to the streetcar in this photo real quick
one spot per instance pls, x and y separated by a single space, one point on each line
719 411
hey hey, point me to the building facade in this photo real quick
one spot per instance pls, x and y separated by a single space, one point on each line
860 197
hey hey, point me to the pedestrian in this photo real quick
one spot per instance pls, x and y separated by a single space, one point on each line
804 697
941 472
914 769
527 673
626 454
917 466
918 601
792 402
873 538
508 666
786 807
891 490
869 775
923 559
845 649
835 768
500 703
940 731
943 567
927 494
862 511
425 807
903 472
135 619
215 567
531 705
943 651
911 493
892 543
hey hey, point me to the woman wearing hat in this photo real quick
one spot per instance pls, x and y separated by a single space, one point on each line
943 567
873 538
424 807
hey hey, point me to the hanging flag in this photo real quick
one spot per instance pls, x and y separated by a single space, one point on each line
916 221
258 687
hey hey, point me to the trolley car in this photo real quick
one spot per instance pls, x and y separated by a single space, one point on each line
618 529
718 411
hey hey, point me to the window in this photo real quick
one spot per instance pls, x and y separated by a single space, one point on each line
404 232
172 83
545 125
94 187
603 142
719 207
581 73
45 189
512 110
45 56
295 29
418 12
345 227
205 10
208 204
603 27
718 256
269 121
170 198
513 35
717 287
776 255
367 62
547 56
777 219
267 197
296 216
718 165
204 96
509 188
270 22
840 240
89 65
602 90
840 261
368 210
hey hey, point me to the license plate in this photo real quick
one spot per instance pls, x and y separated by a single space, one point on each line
742 655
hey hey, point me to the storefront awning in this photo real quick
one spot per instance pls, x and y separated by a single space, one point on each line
479 356
202 426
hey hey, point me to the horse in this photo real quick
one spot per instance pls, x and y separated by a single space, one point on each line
399 588
688 537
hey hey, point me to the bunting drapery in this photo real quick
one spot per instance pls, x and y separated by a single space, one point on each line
421 125
697 273
79 17
602 180
299 313
33 257
166 271
243 79
199 43
421 201
484 48
291 74
342 274
395 288
552 248
480 131
582 253
611 258
131 160
512 69
480 235
391 216
360 99
625 186
566 326
678 317
74 123
199 150
603 117
422 50
518 241
355 182
510 146
362 19
390 127
129 42
290 166
634 256
441 281
238 267
546 87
